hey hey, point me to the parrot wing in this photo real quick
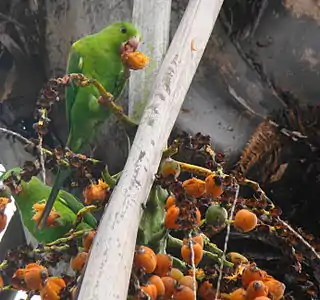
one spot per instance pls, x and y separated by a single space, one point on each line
75 65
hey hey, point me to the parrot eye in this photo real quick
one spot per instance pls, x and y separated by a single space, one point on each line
123 29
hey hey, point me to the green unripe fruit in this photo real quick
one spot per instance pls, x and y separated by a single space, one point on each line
216 215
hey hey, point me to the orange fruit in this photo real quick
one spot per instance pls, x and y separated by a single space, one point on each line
87 240
183 293
213 186
197 239
186 253
135 60
251 273
34 276
275 287
171 200
164 265
206 291
194 187
245 220
150 290
156 280
171 217
17 280
3 221
256 289
145 258
77 262
188 281
169 285
52 288
96 193
238 294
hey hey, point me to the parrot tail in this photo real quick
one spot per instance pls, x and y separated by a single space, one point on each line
61 176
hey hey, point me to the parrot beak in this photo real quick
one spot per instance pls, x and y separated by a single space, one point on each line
130 45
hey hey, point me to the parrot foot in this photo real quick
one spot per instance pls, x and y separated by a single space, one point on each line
117 110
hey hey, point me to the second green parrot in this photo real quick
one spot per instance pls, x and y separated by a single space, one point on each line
97 56
30 200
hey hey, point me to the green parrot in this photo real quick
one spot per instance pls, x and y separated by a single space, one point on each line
66 207
97 56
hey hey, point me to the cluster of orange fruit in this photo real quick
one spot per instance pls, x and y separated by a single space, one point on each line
163 281
166 282
36 278
77 262
244 220
96 193
257 285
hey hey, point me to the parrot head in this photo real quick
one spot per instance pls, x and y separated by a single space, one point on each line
125 36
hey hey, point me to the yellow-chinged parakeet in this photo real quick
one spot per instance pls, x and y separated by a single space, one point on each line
97 56
29 199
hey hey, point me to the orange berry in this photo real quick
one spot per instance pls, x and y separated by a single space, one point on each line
52 288
52 219
164 264
206 291
251 273
149 289
198 216
1 283
34 276
197 239
176 274
77 262
17 280
87 240
171 217
194 187
275 287
169 167
187 254
183 293
213 186
171 200
238 294
156 280
145 258
169 285
3 203
188 281
3 221
245 220
96 193
256 289
135 60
